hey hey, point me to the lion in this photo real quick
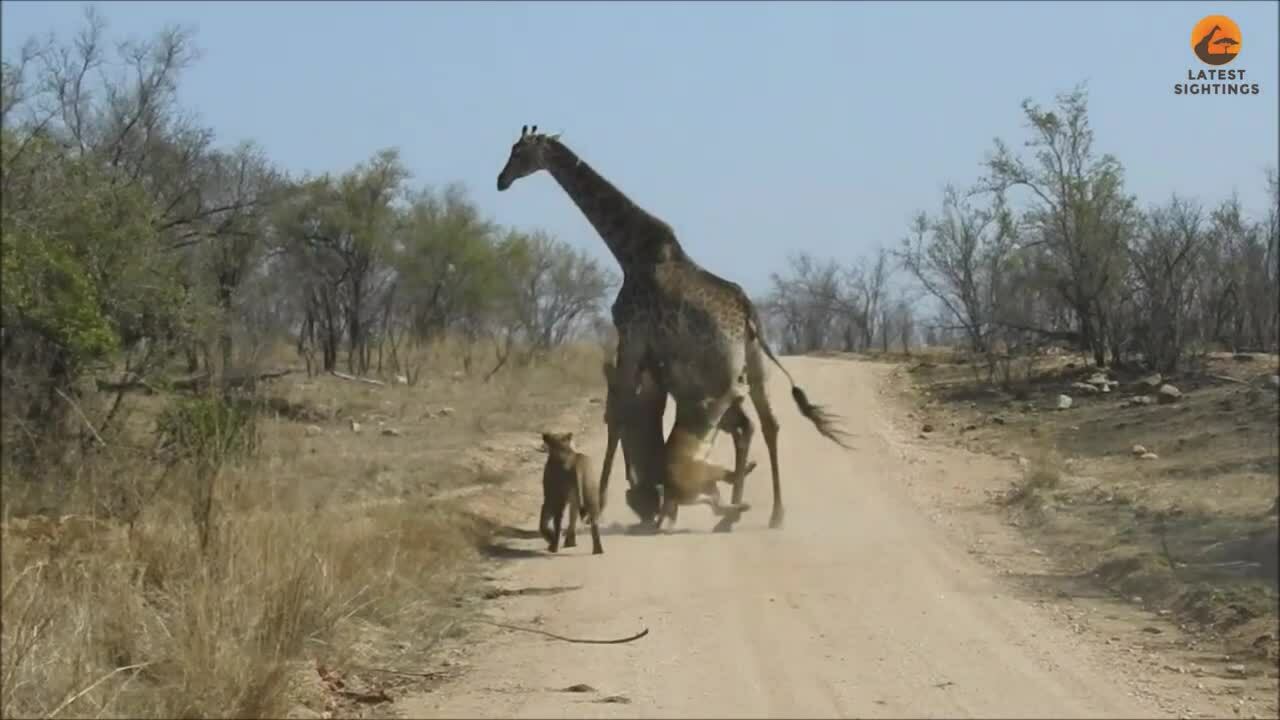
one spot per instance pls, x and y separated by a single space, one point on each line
567 478
690 481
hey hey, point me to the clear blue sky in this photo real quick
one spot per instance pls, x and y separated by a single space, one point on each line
755 129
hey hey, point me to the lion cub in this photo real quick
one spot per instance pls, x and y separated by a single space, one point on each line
693 482
568 478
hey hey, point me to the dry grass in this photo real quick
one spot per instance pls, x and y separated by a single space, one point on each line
1192 533
319 542
1041 473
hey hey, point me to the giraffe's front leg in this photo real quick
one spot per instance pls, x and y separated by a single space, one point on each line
642 495
611 445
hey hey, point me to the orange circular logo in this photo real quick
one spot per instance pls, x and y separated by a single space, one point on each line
1216 39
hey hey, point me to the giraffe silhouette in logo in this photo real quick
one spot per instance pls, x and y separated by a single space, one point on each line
1211 58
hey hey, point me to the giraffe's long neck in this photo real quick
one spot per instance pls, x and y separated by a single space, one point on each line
632 234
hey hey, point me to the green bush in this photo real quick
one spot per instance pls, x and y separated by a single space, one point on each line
209 431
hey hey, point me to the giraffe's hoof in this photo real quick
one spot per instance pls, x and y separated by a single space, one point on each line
775 520
732 515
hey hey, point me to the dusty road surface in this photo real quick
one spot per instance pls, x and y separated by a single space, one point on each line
861 606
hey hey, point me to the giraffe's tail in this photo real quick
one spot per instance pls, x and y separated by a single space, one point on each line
827 422
823 419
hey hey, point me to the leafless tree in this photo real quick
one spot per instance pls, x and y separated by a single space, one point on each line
1079 217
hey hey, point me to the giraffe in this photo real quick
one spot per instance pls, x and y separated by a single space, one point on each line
703 329
637 240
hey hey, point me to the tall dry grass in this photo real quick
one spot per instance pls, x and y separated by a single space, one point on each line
222 575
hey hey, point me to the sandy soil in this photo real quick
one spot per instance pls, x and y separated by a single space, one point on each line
878 599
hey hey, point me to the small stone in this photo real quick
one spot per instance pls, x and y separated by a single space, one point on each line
1142 400
927 427
579 688
1236 669
1139 450
1085 388
1098 379
355 426
1150 382
391 432
1152 630
1064 402
1168 394
1275 381
402 380
618 699
998 420
314 430
446 411
1149 456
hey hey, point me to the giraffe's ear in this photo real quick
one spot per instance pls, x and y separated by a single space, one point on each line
534 130
524 130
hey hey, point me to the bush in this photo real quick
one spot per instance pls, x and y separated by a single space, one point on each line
204 434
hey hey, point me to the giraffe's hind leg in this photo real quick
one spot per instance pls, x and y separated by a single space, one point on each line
757 379
736 422
740 428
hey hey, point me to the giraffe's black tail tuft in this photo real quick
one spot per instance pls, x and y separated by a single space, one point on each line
824 420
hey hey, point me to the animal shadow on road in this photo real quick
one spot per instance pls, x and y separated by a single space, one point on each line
507 531
494 593
503 551
617 528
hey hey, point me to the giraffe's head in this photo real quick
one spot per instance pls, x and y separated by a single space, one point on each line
528 156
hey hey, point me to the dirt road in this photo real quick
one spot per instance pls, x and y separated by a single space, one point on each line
861 606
